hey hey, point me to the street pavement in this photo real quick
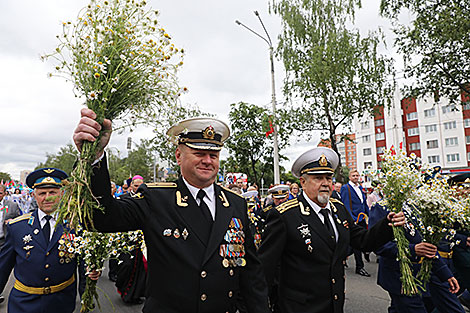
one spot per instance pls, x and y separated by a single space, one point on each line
362 293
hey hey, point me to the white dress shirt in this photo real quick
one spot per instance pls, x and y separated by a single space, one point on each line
2 218
209 199
357 190
317 209
43 221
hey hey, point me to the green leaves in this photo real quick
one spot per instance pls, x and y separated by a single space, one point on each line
435 45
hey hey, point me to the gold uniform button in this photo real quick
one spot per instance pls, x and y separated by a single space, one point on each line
46 266
203 297
231 272
336 297
47 253
203 274
333 281
46 279
230 294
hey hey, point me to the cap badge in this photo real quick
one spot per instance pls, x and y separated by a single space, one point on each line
48 171
323 161
209 133
48 180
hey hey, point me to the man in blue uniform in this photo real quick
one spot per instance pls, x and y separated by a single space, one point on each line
355 201
45 279
200 251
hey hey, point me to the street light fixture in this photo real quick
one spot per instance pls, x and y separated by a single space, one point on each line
273 97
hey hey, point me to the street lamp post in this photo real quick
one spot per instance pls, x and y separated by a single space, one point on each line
273 97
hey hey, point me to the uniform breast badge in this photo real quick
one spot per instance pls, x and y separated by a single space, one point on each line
176 233
306 235
27 238
36 231
167 232
185 234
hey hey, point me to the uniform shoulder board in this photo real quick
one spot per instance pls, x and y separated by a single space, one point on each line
161 185
266 209
283 207
336 201
232 192
137 195
20 218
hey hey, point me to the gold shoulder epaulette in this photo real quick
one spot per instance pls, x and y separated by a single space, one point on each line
287 205
233 192
266 209
336 200
20 218
161 185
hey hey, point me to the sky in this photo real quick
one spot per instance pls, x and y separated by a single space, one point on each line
223 64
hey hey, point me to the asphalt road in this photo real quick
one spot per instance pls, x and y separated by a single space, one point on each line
362 293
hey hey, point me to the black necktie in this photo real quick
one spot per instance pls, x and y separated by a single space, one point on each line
47 228
326 221
203 206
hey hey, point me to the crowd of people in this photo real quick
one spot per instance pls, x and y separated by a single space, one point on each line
212 248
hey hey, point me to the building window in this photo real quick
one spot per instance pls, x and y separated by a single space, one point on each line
413 131
380 136
366 138
367 151
467 140
468 156
365 125
367 165
380 150
430 112
466 105
415 146
433 159
450 125
380 122
466 122
452 141
412 116
432 144
448 108
454 157
431 128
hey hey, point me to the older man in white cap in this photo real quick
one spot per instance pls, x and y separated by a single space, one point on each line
201 254
309 237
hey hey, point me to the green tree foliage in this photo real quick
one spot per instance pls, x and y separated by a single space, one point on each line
63 160
5 177
336 73
249 149
435 45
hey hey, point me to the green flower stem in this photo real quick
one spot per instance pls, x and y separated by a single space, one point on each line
424 274
408 282
89 295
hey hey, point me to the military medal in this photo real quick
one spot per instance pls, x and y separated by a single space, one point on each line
36 231
185 234
27 254
167 232
27 238
338 221
304 231
176 233
345 224
310 249
28 247
225 263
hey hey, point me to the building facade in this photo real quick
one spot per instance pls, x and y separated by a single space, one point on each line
433 129
346 149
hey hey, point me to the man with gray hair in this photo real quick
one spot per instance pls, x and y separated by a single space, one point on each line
307 238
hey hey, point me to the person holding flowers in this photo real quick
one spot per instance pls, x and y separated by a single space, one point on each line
439 293
45 276
306 239
200 251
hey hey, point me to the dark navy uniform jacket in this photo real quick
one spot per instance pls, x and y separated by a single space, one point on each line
185 273
36 264
311 263
353 203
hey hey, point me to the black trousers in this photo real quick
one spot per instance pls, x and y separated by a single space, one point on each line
358 253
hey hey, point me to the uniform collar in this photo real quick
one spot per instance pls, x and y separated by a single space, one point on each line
210 195
315 206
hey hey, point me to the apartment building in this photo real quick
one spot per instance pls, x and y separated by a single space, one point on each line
346 149
433 129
